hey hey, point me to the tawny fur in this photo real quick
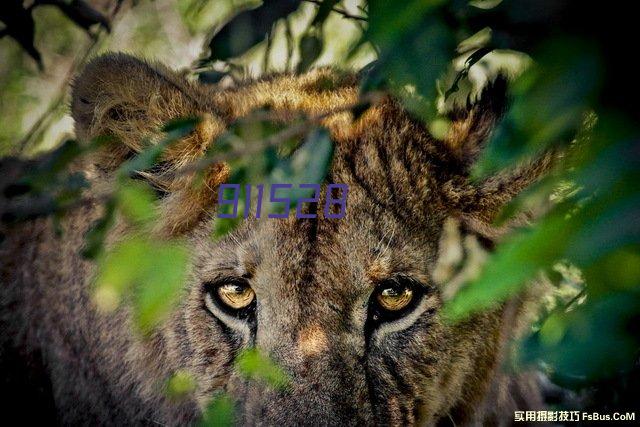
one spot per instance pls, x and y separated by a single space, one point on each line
312 278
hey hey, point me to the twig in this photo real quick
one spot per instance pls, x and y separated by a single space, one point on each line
256 147
342 12
471 60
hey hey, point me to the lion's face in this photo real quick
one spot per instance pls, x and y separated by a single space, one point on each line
347 308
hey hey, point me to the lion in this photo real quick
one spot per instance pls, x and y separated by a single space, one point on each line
349 308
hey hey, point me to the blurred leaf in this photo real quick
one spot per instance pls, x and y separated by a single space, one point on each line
514 262
137 201
324 9
224 226
306 163
95 238
310 49
254 365
50 170
146 159
80 12
485 4
154 271
548 107
220 412
389 23
248 28
180 385
312 42
20 26
439 127
118 271
157 292
211 76
590 343
416 46
476 56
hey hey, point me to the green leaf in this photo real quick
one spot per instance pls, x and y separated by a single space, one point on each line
248 28
153 271
254 365
549 105
224 226
220 412
513 263
147 158
583 229
323 12
416 47
137 202
590 343
485 4
160 287
180 384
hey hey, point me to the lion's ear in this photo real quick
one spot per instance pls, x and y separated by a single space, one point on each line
470 131
131 100
471 125
121 96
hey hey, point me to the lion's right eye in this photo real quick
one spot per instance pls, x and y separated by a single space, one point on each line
394 297
231 296
236 296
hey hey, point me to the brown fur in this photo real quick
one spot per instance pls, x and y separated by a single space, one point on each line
312 278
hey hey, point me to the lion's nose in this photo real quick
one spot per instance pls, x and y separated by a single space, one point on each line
312 341
326 386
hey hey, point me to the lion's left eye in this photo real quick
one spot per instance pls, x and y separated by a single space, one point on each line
236 296
394 298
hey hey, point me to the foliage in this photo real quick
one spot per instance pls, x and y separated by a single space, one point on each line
220 412
20 25
288 162
152 270
253 364
573 99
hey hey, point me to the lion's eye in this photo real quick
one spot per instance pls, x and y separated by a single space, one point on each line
236 296
394 297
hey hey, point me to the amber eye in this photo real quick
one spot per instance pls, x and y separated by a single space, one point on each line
236 296
395 297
